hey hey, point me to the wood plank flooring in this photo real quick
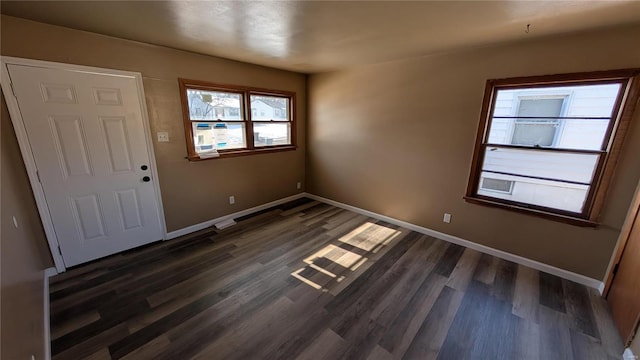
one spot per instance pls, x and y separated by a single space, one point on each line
308 280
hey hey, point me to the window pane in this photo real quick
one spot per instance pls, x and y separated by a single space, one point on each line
220 136
269 108
214 105
538 116
551 194
570 167
271 134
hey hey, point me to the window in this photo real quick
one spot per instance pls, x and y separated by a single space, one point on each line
537 121
225 118
547 145
491 184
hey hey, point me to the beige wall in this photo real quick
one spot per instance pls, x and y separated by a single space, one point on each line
23 255
397 138
635 345
192 192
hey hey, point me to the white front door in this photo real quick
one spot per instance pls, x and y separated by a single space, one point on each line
87 137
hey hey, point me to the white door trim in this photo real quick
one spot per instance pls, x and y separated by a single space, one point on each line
29 160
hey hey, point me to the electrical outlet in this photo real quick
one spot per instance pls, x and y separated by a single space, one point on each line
163 136
298 185
446 218
232 200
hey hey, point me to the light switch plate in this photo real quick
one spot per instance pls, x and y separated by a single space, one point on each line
163 136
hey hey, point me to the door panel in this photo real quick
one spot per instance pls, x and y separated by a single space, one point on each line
129 209
58 93
625 289
89 217
86 133
105 96
69 142
117 139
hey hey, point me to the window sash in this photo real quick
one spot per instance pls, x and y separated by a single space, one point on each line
621 115
245 94
592 179
599 156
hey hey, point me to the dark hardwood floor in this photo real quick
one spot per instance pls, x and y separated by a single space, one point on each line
310 281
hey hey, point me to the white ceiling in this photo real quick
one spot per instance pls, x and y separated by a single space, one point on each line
310 36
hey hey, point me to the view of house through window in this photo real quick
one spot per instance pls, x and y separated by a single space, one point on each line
223 119
271 124
537 121
540 119
205 109
545 146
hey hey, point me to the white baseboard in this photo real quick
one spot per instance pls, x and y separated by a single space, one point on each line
209 223
47 273
565 274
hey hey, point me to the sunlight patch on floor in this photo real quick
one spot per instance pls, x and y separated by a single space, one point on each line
296 274
368 238
338 255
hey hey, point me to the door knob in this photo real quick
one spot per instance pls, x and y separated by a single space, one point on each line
146 179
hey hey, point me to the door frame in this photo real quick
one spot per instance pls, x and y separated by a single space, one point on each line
621 244
632 220
29 160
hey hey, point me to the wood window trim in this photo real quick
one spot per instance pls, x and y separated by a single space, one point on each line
605 169
245 93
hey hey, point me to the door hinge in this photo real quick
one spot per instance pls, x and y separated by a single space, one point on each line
59 251
38 176
615 268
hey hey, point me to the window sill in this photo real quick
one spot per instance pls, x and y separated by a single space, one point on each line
245 152
536 212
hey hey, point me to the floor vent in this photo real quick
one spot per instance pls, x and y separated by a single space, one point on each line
225 224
